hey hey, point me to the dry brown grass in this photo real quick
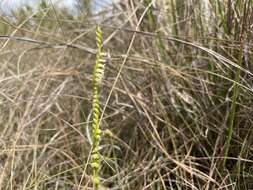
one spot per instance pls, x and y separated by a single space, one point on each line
167 98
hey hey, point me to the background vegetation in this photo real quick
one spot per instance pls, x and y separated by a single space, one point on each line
176 96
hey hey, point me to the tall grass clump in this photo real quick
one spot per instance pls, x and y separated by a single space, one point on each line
177 92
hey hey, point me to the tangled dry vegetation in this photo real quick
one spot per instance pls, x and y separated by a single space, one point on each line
177 97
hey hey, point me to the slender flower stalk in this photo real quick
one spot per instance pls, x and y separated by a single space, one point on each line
96 131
